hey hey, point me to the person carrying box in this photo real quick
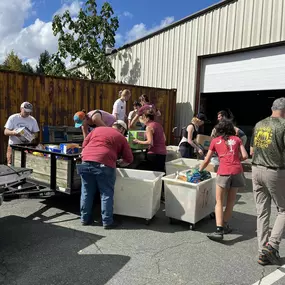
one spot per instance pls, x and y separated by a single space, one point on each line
21 128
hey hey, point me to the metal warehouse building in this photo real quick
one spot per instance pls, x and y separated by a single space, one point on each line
230 55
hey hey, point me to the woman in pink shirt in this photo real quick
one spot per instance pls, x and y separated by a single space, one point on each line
155 138
231 151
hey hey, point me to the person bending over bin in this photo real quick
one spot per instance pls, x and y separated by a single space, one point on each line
89 121
231 151
100 152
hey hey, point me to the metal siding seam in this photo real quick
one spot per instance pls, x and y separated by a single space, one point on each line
211 33
282 29
234 25
171 49
176 57
226 28
243 25
182 58
188 60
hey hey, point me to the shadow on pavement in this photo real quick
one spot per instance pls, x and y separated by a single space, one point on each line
71 204
244 228
32 253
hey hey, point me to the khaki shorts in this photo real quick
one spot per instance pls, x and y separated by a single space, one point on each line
230 181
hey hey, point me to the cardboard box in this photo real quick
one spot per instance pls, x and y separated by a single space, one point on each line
140 135
69 148
203 141
25 135
212 168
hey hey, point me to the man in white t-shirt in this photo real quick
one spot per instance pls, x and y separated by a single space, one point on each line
119 107
19 120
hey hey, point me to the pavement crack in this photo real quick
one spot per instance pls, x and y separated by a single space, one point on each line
158 266
177 245
262 276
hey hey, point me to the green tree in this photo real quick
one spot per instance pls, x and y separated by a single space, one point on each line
85 39
44 61
12 62
26 67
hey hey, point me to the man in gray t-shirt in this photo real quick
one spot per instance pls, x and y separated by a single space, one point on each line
268 178
17 121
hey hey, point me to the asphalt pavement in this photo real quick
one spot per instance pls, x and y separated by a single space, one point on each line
43 242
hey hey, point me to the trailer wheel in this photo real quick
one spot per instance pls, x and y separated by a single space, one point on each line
192 227
147 222
171 221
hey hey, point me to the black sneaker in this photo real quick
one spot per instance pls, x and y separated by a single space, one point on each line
111 226
272 254
216 236
227 229
263 260
86 223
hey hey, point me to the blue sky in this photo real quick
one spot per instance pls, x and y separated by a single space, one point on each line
26 25
130 12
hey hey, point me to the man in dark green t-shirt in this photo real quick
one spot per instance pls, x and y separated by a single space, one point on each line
268 178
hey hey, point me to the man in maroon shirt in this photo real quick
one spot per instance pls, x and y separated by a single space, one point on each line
101 150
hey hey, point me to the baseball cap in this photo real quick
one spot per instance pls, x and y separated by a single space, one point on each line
121 123
278 104
78 118
28 107
201 116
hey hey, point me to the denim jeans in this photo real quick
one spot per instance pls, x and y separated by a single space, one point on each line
96 177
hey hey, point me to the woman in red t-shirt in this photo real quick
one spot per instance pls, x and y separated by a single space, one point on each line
231 152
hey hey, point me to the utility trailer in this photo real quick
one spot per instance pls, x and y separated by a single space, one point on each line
13 182
55 171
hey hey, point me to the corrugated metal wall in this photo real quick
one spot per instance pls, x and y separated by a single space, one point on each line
57 99
169 59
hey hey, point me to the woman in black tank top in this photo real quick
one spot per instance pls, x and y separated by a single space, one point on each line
189 134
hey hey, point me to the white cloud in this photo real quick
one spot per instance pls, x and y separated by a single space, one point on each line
128 14
141 30
73 8
31 41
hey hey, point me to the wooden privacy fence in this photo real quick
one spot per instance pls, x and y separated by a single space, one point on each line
56 99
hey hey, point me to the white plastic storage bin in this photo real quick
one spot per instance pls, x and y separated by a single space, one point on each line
137 193
189 202
172 152
181 164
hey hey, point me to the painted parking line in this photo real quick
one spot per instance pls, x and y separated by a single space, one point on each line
272 277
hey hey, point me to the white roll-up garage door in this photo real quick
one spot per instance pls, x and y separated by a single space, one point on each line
262 69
